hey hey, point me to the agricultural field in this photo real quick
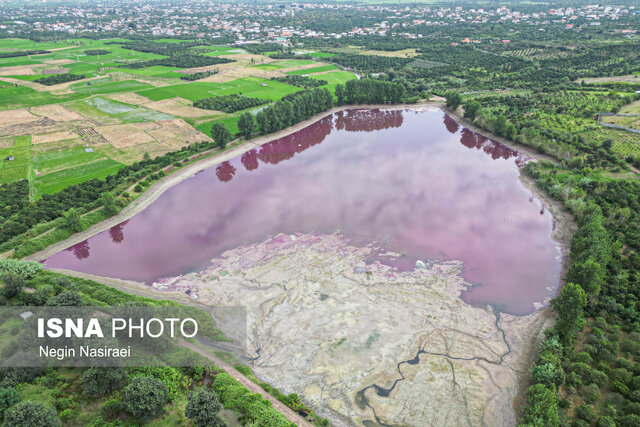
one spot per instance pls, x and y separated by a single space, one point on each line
119 112
320 69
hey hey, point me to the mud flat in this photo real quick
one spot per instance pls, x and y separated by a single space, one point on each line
364 343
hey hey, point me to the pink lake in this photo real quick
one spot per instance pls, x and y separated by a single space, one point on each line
412 182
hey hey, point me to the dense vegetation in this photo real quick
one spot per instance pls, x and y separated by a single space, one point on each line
55 79
182 60
293 109
300 81
197 76
99 396
229 103
94 52
19 53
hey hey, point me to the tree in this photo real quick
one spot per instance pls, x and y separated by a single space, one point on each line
203 407
8 397
31 414
471 110
65 299
13 285
103 381
145 397
246 125
589 275
109 203
541 409
220 134
340 94
569 305
72 220
454 99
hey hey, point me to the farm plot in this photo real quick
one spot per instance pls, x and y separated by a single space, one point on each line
18 97
125 112
55 160
313 70
249 86
108 85
14 160
334 78
56 181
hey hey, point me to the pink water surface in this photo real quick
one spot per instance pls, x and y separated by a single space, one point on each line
413 182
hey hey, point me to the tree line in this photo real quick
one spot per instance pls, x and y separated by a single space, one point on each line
55 79
229 103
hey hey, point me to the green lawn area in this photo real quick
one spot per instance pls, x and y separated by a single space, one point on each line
108 85
313 70
14 170
334 78
63 159
321 54
285 63
156 70
56 181
248 86
21 96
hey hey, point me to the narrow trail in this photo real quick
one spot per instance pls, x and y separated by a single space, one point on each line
385 392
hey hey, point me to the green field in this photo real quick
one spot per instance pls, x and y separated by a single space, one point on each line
16 169
22 96
108 85
334 78
63 159
248 86
56 181
319 69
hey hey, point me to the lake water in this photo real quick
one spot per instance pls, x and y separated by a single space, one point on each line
413 182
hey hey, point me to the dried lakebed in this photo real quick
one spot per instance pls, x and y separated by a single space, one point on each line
389 262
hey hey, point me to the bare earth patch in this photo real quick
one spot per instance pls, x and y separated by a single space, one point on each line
54 137
18 70
366 343
129 98
179 107
56 112
21 115
126 135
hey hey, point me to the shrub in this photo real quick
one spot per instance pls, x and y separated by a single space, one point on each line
103 381
31 414
203 407
145 397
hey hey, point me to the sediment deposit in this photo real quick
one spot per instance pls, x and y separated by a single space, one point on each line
365 343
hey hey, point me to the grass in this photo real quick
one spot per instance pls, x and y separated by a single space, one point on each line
108 85
633 108
14 170
322 55
56 181
63 159
21 96
248 86
319 69
334 78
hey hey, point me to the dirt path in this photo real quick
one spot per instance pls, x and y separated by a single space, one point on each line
255 388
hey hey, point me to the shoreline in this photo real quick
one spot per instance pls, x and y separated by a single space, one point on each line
164 184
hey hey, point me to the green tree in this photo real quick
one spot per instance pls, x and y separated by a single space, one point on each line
220 134
541 409
569 305
589 275
72 220
31 414
13 285
108 201
246 125
103 381
454 99
471 110
65 299
145 397
203 407
341 94
8 397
